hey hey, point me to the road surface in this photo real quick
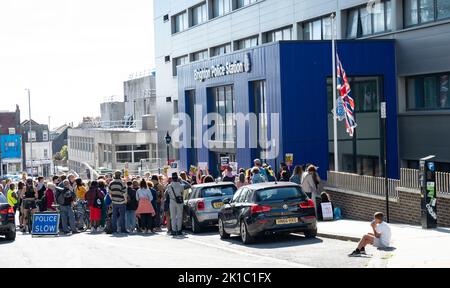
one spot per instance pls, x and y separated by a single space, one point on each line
191 251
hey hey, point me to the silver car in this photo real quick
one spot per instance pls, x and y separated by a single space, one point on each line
203 203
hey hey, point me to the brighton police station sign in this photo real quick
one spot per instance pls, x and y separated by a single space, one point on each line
230 68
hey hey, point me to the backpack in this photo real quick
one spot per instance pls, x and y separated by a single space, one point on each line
98 201
43 204
337 214
132 203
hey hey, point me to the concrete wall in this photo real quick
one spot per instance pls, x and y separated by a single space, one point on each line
140 97
112 111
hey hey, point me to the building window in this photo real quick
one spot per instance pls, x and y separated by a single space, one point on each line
178 62
278 35
242 3
319 29
247 43
220 7
199 56
45 136
418 12
428 92
362 21
179 22
132 153
221 50
223 105
362 154
199 14
260 109
32 136
45 154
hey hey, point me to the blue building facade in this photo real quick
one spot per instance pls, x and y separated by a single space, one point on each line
293 80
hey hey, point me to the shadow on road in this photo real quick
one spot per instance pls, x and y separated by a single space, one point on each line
264 242
388 249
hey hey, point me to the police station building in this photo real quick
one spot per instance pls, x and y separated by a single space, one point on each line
291 81
392 50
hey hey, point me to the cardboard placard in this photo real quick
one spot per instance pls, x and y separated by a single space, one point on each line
327 211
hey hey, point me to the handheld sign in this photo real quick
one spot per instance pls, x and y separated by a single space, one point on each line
45 224
224 163
289 159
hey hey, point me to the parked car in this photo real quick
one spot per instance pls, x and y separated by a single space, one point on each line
267 208
7 219
13 178
202 204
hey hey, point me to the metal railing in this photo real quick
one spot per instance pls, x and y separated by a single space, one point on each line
443 183
364 184
409 179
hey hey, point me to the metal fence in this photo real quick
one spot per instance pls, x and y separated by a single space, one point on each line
409 178
364 184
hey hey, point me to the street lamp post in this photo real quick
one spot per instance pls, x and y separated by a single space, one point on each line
29 132
168 142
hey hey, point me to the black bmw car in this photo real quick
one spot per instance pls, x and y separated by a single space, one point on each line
267 208
7 219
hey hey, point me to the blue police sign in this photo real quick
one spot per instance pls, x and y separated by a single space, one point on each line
45 224
11 146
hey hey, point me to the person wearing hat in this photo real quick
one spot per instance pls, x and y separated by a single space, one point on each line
175 193
118 193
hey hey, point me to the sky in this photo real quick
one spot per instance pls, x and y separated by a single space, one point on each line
71 54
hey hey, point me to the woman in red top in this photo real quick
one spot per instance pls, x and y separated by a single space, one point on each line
94 198
50 196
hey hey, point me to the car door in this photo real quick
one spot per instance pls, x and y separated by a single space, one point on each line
237 211
187 207
227 210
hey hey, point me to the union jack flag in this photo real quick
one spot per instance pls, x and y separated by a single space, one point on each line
345 93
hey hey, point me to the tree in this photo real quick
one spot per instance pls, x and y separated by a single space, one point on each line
64 153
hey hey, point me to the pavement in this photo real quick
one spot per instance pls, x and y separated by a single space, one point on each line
412 246
192 251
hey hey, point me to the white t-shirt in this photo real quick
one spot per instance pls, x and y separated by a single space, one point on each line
385 238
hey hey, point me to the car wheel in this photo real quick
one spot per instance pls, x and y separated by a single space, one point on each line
245 236
195 226
222 232
11 236
311 233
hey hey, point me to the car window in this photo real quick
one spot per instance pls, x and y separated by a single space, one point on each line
190 194
3 199
248 197
243 196
219 191
237 195
277 194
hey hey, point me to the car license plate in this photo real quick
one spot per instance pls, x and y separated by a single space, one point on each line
218 205
286 221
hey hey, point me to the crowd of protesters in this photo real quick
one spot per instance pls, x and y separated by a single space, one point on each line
115 204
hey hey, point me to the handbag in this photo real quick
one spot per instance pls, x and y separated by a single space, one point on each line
178 199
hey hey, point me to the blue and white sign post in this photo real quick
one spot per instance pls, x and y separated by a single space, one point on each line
45 224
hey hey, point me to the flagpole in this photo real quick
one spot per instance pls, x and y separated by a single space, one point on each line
335 122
